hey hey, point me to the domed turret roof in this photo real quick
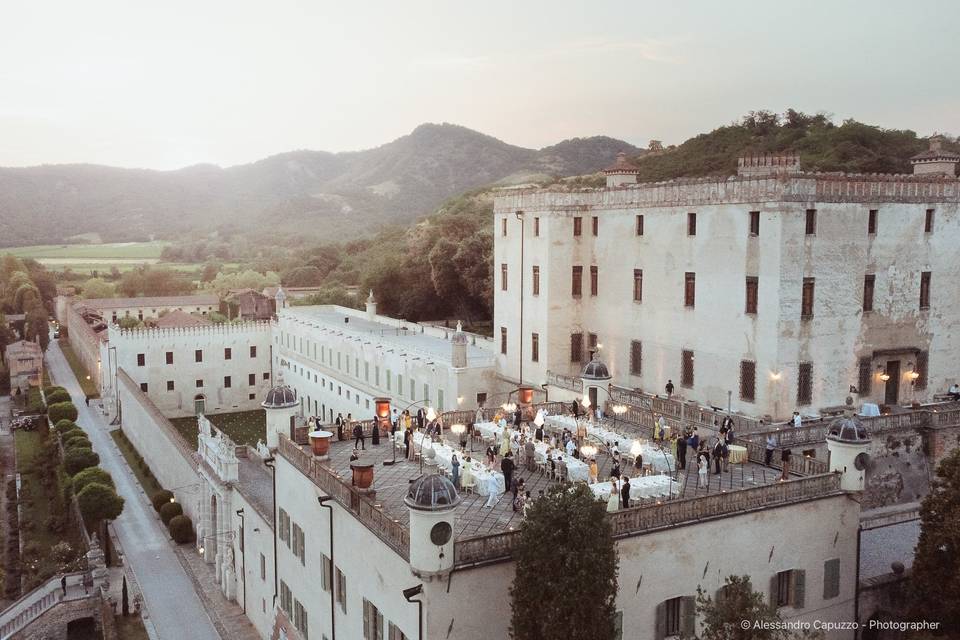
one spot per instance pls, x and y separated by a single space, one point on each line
847 429
432 493
596 369
280 397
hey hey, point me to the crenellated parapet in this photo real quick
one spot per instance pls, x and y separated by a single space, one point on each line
211 330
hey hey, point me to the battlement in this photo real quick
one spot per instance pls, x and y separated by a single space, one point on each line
766 164
221 329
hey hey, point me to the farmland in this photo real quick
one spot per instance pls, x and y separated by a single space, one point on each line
102 257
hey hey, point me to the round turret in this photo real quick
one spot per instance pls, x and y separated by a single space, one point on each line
849 445
432 500
280 397
459 348
595 370
281 404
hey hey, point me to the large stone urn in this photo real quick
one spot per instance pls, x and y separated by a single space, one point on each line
320 443
362 475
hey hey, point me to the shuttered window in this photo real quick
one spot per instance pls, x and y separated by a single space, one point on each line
326 574
788 589
286 597
503 346
594 280
748 380
503 277
676 617
535 347
576 281
754 223
638 285
811 222
372 621
341 589
640 225
752 287
686 368
925 290
806 299
536 280
831 578
869 280
576 347
691 224
636 358
577 226
805 383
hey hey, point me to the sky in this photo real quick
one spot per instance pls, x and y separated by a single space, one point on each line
169 84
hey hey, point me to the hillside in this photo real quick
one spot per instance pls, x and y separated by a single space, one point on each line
307 193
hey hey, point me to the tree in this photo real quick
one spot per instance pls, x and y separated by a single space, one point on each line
161 498
76 460
721 618
306 276
62 411
57 396
89 476
125 606
6 335
129 322
99 502
209 272
37 326
573 598
181 529
97 288
170 510
934 589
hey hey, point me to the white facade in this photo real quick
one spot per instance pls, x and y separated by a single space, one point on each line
207 369
338 360
914 229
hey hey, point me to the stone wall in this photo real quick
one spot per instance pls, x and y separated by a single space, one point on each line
52 624
84 341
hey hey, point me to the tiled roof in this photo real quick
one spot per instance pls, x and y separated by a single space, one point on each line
622 165
937 154
160 301
177 318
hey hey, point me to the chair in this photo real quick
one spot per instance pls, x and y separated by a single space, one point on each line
468 481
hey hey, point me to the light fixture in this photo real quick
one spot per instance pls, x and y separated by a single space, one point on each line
459 400
914 375
538 420
884 376
775 375
588 450
585 401
636 448
619 409
201 549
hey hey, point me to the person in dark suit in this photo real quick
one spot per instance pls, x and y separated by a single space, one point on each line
421 417
507 466
682 453
625 492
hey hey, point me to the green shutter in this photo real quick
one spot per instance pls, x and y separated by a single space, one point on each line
661 621
831 578
688 617
799 577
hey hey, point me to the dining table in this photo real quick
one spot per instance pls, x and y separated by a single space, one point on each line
645 487
487 479
738 453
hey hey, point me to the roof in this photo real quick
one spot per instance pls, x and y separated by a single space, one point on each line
271 292
432 492
932 154
24 347
622 165
177 318
280 397
159 301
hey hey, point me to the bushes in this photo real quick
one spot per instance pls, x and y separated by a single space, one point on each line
74 436
52 389
99 502
58 396
65 426
170 510
161 498
76 460
35 403
89 475
62 411
181 529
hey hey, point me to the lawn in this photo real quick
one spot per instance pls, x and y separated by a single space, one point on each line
243 427
92 252
86 381
140 468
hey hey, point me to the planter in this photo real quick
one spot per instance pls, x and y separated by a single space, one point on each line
320 442
362 474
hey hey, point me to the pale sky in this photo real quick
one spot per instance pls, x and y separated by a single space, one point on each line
170 83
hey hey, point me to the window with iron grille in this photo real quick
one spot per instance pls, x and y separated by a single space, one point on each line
925 290
864 376
921 369
536 280
253 352
595 223
672 625
536 227
752 289
576 347
577 226
198 355
503 340
872 222
928 222
806 299
748 380
638 285
503 227
689 289
754 223
636 358
831 578
141 359
227 382
594 280
686 368
869 281
576 284
691 224
227 353
503 276
811 222
535 347
805 383
640 225
169 385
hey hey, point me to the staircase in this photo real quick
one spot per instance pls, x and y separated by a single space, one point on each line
39 601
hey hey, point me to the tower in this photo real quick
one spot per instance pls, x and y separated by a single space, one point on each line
459 348
594 376
621 172
431 500
281 406
371 307
849 446
936 160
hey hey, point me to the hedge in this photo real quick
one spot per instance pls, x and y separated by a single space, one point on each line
99 502
161 498
64 426
52 389
76 460
89 475
181 529
169 511
62 411
73 436
58 396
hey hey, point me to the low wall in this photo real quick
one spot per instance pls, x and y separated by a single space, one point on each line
169 456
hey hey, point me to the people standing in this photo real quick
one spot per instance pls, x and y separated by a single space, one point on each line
530 450
407 438
358 437
375 430
785 461
455 471
797 420
506 467
339 423
669 388
613 502
682 452
702 465
717 454
625 492
561 469
421 418
771 446
517 417
491 455
594 471
538 434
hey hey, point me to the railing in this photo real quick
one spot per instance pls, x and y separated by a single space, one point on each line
34 604
572 383
678 413
799 464
647 518
391 531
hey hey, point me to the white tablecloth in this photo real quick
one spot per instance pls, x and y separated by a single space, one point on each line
444 458
659 460
562 422
645 487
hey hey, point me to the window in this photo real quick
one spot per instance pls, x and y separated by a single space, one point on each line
169 385
372 622
748 380
535 347
811 223
872 222
691 224
754 223
263 567
928 222
536 227
594 280
253 352
806 300
676 617
228 353
864 376
283 523
921 369
595 222
592 342
576 285
251 379
503 276
636 358
787 588
341 590
227 382
143 387
169 357
503 340
753 285
868 281
925 290
576 347
831 578
251 396
198 355
640 225
805 383
141 359
689 289
299 545
503 227
394 633
686 368
638 285
286 598
199 383
266 375
300 618
326 575
536 280
577 226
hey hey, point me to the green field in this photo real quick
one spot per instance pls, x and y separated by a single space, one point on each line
103 257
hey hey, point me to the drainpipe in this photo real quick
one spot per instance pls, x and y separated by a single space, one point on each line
856 584
270 464
243 557
323 500
520 348
408 595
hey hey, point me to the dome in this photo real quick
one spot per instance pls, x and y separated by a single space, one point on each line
595 370
280 397
847 429
432 493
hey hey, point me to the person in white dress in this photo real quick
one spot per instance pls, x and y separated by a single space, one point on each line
797 420
493 490
613 502
702 468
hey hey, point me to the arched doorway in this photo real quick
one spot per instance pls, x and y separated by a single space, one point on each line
199 404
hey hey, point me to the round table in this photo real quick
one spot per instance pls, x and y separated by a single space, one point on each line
738 454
